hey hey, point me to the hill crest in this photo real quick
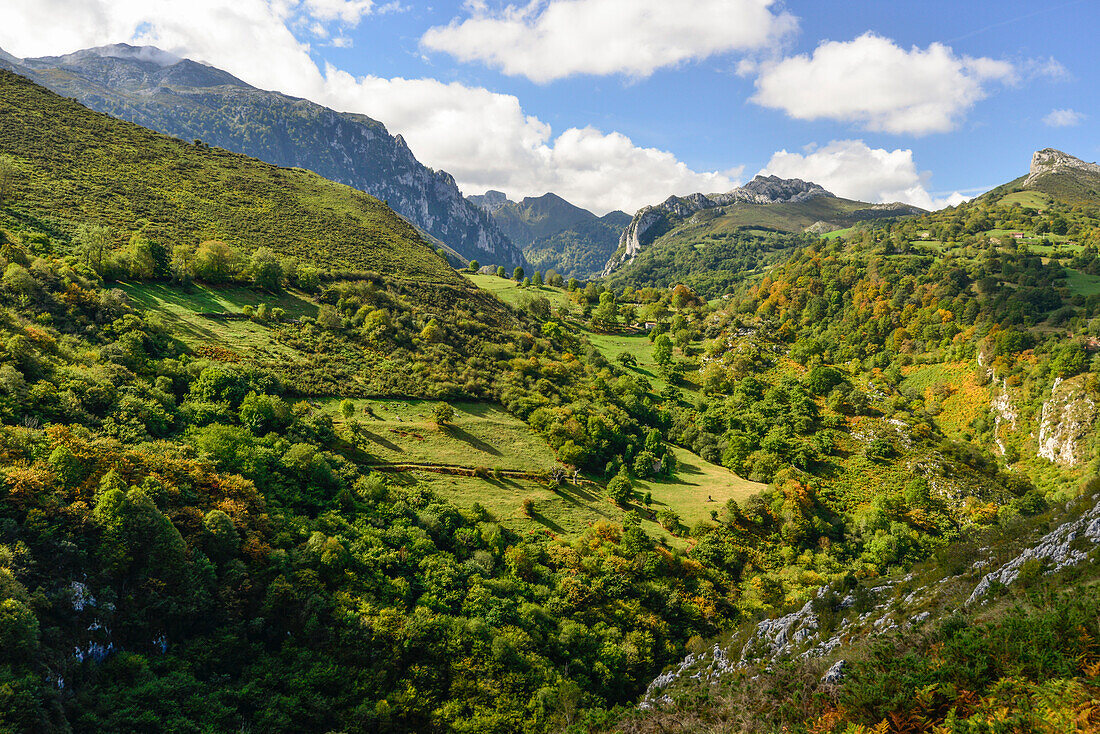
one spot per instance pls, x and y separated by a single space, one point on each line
191 100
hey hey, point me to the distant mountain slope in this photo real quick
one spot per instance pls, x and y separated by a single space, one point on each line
538 216
766 202
189 100
555 234
73 165
581 250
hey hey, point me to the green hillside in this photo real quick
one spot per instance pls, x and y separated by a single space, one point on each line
92 168
790 217
192 100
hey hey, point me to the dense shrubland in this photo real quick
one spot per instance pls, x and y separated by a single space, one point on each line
247 571
249 574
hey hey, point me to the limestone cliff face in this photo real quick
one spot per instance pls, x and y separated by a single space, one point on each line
652 221
1066 422
1049 160
1005 414
636 235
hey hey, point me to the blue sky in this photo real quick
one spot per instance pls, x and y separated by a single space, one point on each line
616 103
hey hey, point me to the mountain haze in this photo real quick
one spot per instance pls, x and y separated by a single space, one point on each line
190 100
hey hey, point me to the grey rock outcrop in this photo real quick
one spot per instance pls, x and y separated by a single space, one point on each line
1050 160
1067 545
1004 411
835 674
1066 422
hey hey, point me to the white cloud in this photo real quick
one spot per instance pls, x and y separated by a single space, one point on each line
873 82
345 11
394 6
547 40
1064 118
853 170
485 139
1049 68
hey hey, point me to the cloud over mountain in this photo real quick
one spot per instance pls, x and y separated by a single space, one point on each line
484 138
854 170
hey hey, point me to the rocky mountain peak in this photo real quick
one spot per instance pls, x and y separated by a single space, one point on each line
1050 160
781 190
490 201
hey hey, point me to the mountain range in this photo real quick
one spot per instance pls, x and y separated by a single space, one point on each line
555 234
191 100
785 205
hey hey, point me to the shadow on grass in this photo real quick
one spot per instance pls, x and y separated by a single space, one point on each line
473 441
380 440
502 482
196 299
547 522
208 299
645 372
401 478
577 495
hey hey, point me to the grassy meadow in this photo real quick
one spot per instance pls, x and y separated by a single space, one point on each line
511 293
481 435
181 309
484 435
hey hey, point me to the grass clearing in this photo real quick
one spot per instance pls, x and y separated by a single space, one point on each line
1026 199
569 510
566 510
182 308
836 233
697 488
403 431
513 293
1082 284
641 348
481 435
